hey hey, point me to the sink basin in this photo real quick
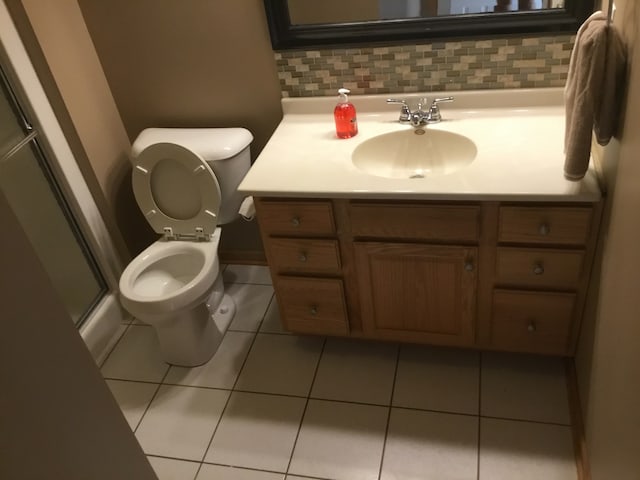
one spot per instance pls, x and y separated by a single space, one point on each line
415 153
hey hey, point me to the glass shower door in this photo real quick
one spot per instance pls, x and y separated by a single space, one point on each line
27 182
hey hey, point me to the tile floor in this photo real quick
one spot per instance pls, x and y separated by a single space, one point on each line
275 406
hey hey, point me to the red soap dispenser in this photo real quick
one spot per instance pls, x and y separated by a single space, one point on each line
345 116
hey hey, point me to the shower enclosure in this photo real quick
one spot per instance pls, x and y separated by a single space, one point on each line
45 189
35 197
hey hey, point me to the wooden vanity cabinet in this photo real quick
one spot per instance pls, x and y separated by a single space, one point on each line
543 264
416 270
486 275
304 257
417 293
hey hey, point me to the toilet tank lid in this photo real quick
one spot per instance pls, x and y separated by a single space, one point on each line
209 143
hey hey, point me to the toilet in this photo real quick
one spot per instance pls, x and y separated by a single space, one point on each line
185 183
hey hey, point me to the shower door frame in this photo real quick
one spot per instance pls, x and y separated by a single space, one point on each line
100 330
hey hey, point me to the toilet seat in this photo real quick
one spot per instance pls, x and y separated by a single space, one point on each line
177 191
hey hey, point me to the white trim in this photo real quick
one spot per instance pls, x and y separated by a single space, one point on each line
100 329
96 232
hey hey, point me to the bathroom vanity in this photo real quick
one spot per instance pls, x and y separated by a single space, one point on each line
495 255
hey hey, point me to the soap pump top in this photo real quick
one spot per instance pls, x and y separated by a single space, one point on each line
345 116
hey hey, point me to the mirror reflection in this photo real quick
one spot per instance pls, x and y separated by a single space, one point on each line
305 12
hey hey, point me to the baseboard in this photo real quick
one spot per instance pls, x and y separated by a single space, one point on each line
243 257
100 330
577 422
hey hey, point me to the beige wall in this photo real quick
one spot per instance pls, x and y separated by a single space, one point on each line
199 63
63 54
608 360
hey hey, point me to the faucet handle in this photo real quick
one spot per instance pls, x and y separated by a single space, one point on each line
405 112
442 100
434 110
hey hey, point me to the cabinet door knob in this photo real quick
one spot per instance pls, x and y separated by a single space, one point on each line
538 268
313 310
544 229
295 221
532 326
468 266
302 257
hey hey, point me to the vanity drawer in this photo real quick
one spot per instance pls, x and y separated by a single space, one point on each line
552 225
412 221
312 305
305 255
539 267
536 322
282 217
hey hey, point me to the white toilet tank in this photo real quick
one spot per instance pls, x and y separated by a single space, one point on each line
226 150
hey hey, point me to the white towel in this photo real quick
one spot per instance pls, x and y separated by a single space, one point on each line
594 91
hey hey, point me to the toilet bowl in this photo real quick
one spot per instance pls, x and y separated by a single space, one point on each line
185 182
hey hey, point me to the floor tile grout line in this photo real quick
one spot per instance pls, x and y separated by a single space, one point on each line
251 469
264 315
524 420
351 402
386 430
285 334
224 409
253 341
479 415
115 345
129 380
306 405
153 397
166 373
252 283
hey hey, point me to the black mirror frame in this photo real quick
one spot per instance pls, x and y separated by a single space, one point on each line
285 36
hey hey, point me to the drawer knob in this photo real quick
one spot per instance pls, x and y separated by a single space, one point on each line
302 257
468 266
295 221
538 269
532 326
544 229
313 310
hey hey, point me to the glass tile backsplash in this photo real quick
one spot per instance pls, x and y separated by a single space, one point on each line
524 62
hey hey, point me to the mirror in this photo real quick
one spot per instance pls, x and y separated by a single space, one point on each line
326 23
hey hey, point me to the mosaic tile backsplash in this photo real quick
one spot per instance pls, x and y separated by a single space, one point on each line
525 62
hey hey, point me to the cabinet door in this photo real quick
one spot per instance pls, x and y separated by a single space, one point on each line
417 293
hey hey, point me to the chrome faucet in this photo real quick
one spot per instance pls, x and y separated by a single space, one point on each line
419 116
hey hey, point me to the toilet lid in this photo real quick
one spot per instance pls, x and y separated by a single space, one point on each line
176 190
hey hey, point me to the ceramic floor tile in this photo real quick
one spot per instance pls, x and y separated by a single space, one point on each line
441 379
218 472
256 274
133 398
181 421
525 451
356 371
251 305
170 469
257 431
136 357
430 446
282 364
524 387
272 322
223 368
340 441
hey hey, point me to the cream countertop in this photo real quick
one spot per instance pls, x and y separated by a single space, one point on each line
520 150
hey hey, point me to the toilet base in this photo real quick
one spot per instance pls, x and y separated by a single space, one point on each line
192 338
224 313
